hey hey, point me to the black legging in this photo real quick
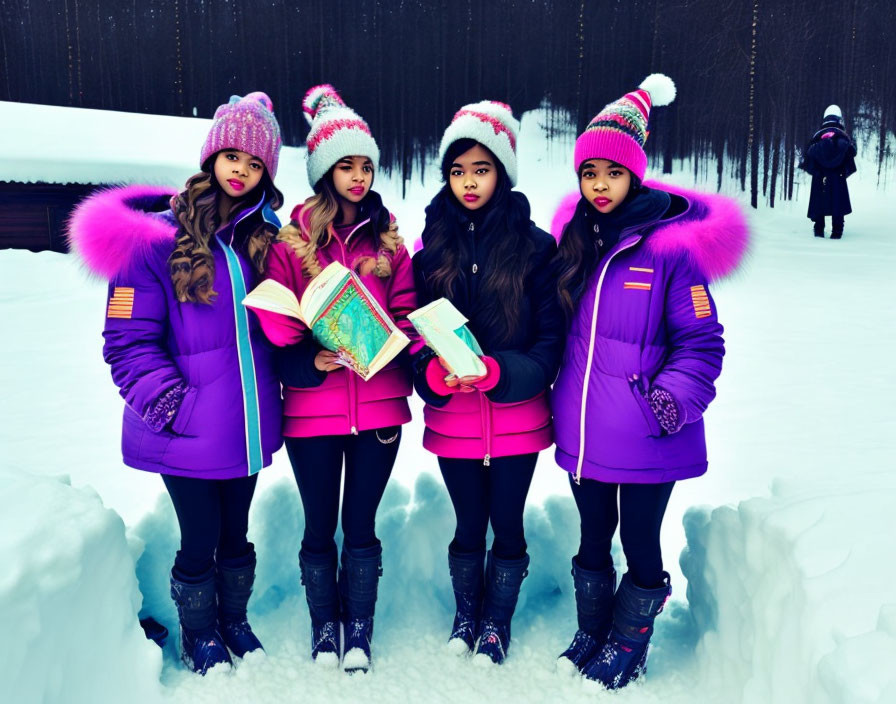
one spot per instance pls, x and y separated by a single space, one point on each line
214 519
496 493
317 465
641 507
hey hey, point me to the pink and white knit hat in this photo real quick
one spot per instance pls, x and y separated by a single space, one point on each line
337 131
492 125
618 132
247 124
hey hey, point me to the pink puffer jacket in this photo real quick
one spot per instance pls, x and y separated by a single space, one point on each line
343 403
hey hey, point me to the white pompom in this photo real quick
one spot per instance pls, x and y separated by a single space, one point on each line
660 87
311 101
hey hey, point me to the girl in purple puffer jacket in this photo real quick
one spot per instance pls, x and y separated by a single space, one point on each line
642 355
483 253
202 399
330 414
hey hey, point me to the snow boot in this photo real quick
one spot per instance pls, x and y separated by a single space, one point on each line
837 227
623 657
235 577
358 579
503 579
467 582
594 607
154 631
319 578
819 228
202 646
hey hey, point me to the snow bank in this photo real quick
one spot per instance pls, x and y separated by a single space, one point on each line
787 593
69 596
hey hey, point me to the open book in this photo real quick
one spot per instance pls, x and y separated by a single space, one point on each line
444 328
341 313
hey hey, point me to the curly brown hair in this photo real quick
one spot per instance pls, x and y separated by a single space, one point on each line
192 264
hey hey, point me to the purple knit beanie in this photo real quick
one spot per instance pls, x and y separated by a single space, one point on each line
618 132
247 124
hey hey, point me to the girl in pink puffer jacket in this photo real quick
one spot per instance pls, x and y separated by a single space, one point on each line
330 413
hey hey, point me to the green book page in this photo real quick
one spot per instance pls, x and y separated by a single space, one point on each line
444 329
463 332
348 325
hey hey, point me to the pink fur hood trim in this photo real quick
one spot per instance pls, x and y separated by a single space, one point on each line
108 231
714 232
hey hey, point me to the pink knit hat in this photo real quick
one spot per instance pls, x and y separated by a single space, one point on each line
247 124
491 124
618 132
337 131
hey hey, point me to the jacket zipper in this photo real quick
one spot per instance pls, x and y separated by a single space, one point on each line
487 428
590 362
484 405
472 230
352 382
352 401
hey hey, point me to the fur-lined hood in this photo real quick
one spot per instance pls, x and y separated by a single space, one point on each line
113 228
713 232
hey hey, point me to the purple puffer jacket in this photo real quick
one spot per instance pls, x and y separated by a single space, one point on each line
646 311
154 342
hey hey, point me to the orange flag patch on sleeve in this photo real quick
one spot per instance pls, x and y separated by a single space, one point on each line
700 299
121 304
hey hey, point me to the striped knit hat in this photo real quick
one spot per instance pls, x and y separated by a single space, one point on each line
247 124
492 125
336 131
618 132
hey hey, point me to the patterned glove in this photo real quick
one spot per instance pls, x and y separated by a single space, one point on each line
665 408
162 411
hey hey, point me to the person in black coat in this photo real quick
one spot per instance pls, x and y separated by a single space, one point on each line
830 158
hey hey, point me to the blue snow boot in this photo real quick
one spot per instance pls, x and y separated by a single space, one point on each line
503 579
319 579
467 581
235 577
358 579
594 607
623 657
202 646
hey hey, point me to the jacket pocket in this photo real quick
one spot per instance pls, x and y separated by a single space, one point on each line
182 424
652 425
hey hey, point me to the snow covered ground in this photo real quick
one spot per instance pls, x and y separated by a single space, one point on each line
784 590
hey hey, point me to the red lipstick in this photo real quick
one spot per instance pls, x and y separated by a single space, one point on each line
357 190
470 197
601 201
235 184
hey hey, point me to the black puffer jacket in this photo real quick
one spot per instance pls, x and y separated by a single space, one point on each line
530 359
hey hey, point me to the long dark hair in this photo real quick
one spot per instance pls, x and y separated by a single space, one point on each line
577 252
507 262
192 265
323 210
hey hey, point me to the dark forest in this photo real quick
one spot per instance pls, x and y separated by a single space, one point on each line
753 76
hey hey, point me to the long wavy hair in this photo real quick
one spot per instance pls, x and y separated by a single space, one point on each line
577 252
192 264
507 261
321 211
